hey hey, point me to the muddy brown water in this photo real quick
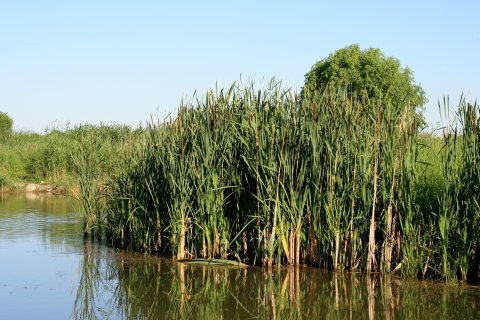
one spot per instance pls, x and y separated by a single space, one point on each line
47 271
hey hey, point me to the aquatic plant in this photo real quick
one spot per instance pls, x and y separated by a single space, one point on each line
86 166
272 178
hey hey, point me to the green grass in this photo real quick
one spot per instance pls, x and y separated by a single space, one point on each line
32 157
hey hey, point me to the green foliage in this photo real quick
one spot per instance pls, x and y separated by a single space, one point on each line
330 179
3 181
367 73
32 157
272 179
6 124
459 214
87 163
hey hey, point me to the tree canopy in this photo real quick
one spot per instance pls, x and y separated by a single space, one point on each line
367 72
6 124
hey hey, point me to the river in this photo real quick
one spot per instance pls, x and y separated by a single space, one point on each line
47 271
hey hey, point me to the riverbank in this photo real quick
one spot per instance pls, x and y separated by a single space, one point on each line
34 188
27 157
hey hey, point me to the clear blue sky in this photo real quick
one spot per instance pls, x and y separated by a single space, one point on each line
122 61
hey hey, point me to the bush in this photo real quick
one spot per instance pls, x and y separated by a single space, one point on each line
369 74
6 124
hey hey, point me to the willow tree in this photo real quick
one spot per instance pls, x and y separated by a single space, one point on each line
366 73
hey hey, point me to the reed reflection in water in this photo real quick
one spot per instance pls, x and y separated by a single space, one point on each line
134 286
50 272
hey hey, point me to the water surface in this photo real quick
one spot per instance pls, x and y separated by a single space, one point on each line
47 271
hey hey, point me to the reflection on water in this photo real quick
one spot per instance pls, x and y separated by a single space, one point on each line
47 267
93 295
152 288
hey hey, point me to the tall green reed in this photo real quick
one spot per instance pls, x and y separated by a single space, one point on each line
272 178
87 163
460 211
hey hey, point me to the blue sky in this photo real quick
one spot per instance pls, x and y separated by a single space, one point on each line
122 61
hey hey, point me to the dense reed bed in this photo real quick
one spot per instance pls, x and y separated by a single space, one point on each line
272 178
459 214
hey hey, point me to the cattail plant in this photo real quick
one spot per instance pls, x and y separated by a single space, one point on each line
272 178
87 162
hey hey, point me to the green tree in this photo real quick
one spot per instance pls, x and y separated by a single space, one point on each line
367 72
6 124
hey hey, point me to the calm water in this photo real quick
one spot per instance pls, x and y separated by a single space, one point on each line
47 271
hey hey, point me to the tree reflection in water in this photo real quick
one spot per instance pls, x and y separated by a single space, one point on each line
132 286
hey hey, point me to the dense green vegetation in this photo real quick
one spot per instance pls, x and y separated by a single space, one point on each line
32 157
6 124
264 177
79 161
369 71
272 179
268 178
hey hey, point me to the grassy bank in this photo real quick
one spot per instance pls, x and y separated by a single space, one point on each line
79 160
31 157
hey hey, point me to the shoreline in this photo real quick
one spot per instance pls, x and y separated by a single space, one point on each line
33 188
